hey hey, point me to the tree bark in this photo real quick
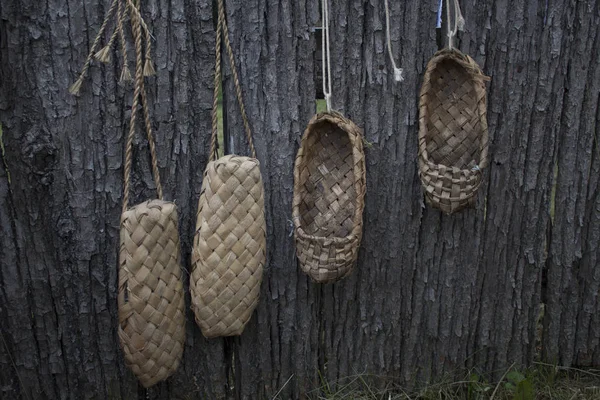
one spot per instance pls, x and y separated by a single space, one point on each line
572 318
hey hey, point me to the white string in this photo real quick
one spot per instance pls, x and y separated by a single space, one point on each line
397 71
459 22
449 34
326 54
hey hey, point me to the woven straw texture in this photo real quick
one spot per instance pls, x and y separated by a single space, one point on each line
453 131
151 297
229 246
329 190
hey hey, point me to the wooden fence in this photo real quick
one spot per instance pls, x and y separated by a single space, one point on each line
432 294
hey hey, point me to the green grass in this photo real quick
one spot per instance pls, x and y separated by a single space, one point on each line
540 382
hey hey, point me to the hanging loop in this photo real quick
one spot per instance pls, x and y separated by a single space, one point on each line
326 58
459 22
223 31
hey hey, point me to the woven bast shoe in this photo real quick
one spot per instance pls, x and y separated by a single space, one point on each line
230 243
453 131
151 296
329 190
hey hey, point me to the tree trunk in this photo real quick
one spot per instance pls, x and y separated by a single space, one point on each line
431 295
572 323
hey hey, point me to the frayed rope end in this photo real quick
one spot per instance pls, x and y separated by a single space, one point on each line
125 74
74 89
398 74
103 55
149 68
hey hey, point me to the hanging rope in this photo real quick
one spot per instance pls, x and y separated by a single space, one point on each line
222 28
397 71
459 22
104 54
213 139
139 93
326 59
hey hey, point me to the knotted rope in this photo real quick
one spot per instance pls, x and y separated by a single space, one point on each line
326 59
397 71
222 30
139 93
459 22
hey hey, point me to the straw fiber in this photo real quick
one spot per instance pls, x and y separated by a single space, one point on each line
151 297
453 131
329 189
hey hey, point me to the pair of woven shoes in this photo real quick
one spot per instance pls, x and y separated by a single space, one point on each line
329 173
227 266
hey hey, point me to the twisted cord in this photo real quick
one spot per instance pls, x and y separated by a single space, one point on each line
126 73
104 54
459 22
75 87
326 56
147 119
215 129
148 66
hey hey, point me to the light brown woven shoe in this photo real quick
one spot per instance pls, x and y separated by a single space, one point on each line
151 297
229 246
